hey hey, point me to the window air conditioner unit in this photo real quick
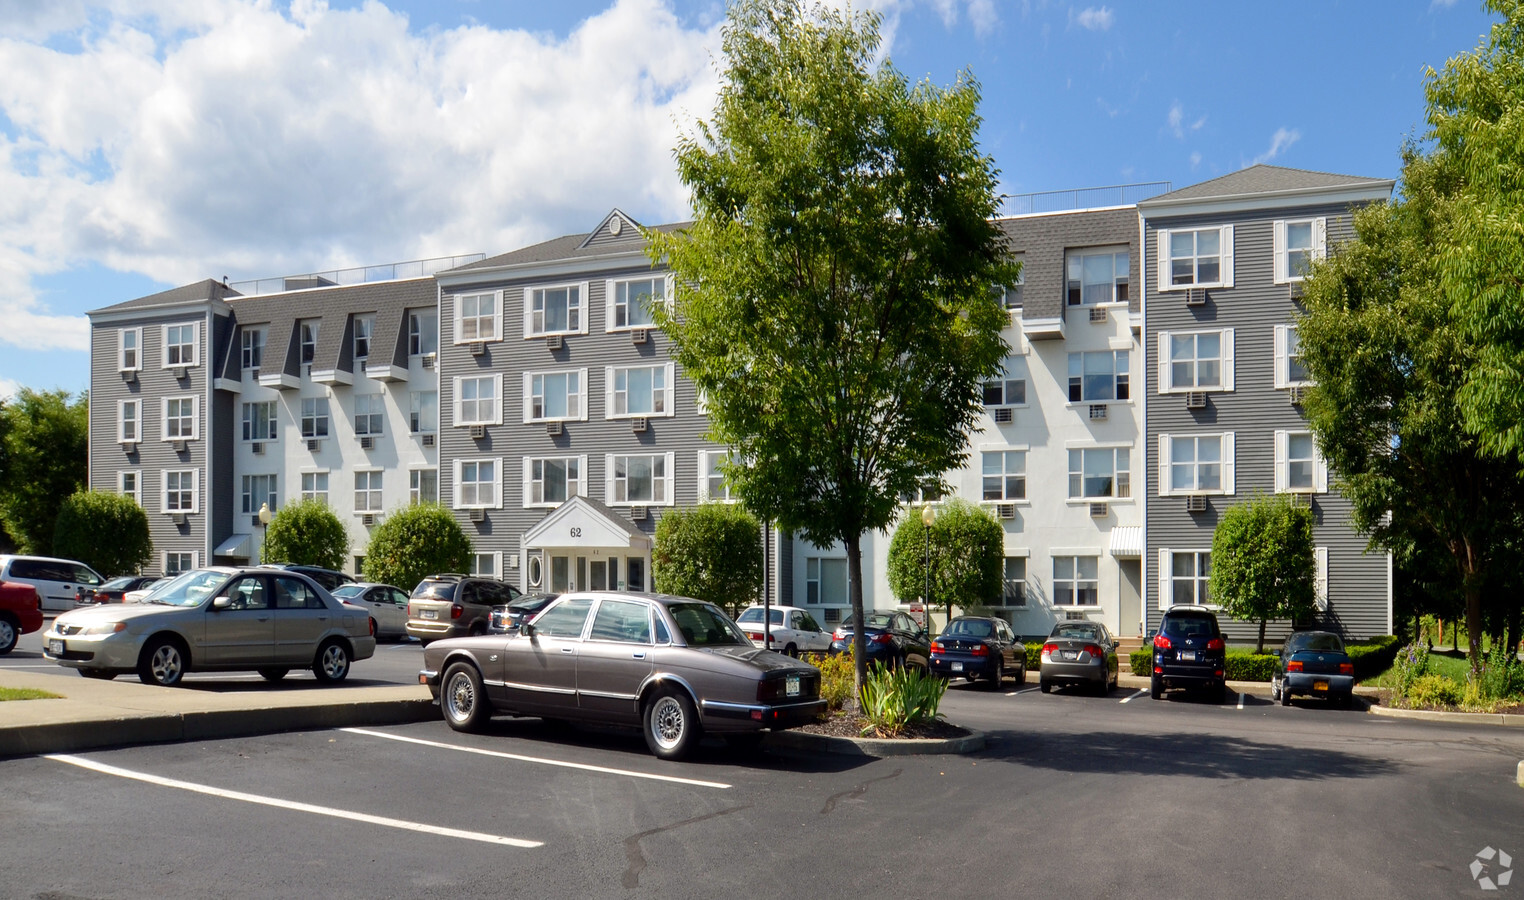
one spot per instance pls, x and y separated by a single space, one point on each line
639 336
130 447
1295 394
1005 510
368 519
257 448
638 425
130 375
1097 510
1097 410
428 440
1196 297
428 360
638 513
179 446
553 429
1097 314
478 348
367 442
1195 400
177 518
478 514
181 372
553 342
1004 415
478 431
1195 503
313 444
1295 290
254 520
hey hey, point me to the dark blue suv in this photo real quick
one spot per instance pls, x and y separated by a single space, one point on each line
1189 652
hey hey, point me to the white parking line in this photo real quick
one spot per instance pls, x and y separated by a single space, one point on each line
535 759
292 805
1023 691
1141 692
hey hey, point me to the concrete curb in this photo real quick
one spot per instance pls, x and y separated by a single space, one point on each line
875 747
1455 718
1520 776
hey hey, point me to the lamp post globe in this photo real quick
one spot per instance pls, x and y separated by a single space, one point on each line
264 525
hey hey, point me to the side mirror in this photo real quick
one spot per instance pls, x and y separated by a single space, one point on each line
1276 652
222 602
527 629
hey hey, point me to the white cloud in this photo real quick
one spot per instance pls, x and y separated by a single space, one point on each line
1441 4
1176 116
1279 143
8 388
1093 18
1195 159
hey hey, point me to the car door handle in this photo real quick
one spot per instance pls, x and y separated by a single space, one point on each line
637 656
566 649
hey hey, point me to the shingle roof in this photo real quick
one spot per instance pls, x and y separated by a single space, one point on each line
190 293
1261 178
569 246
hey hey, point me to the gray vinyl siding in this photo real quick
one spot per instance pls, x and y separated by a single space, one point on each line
1358 582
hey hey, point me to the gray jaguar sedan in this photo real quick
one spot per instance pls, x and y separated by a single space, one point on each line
674 667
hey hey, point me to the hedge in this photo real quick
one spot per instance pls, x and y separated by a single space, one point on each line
1370 659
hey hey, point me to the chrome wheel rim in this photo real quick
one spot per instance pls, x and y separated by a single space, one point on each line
335 662
165 665
460 697
667 723
7 634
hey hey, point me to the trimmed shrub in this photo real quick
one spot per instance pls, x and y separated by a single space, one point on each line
1243 665
1034 655
107 532
1142 661
306 533
710 552
414 542
836 674
1434 690
1374 656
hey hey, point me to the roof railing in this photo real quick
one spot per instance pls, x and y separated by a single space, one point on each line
418 268
1083 198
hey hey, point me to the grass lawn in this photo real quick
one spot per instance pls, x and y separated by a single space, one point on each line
26 694
1451 665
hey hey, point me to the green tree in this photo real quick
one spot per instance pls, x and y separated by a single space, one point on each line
967 557
46 453
835 302
1263 562
709 552
308 533
107 532
414 542
1381 339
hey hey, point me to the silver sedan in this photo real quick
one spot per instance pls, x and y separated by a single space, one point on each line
1079 653
387 606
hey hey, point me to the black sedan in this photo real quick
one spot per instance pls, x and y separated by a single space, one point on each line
1313 664
893 639
1079 653
506 618
980 649
112 591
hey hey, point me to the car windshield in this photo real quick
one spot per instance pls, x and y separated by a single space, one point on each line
754 615
970 628
875 620
1083 632
344 592
188 588
443 590
531 604
119 584
1327 643
703 625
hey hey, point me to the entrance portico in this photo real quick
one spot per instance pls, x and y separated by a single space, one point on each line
583 545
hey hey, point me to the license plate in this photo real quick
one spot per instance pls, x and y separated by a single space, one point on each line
429 613
1187 655
1320 685
56 648
1067 654
957 667
791 686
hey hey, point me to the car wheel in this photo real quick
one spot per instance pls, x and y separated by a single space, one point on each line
102 674
273 673
1275 691
671 724
8 635
1045 686
162 663
462 698
1103 687
1155 687
1220 693
996 676
478 630
791 650
332 662
1285 696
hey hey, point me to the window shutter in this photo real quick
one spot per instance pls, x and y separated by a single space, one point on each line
499 478
1319 237
1164 573
670 382
498 400
1320 579
455 488
1282 451
608 392
1166 380
703 472
1228 485
1281 366
1227 256
526 300
1227 359
525 483
195 490
1163 260
195 434
608 305
671 478
1278 245
528 398
582 392
608 478
1165 447
1319 470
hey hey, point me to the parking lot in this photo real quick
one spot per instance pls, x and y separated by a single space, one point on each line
1075 795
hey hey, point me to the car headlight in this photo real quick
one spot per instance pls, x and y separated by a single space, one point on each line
102 628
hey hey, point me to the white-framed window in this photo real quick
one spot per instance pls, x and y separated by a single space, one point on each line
1014 579
176 562
476 482
315 486
365 326
1196 464
1098 275
181 493
423 486
1196 361
1100 472
368 490
181 423
631 300
1299 467
919 497
476 316
479 400
1010 295
423 412
307 342
711 483
129 483
314 417
1099 376
129 421
370 414
259 421
555 396
252 341
1290 371
1183 577
129 349
1010 387
422 332
553 480
486 564
637 480
638 391
1005 475
1195 257
825 581
1076 581
180 345
1297 242
555 309
259 490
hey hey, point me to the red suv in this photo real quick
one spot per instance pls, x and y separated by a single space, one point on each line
20 613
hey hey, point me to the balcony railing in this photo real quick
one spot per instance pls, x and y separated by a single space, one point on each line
1084 198
417 268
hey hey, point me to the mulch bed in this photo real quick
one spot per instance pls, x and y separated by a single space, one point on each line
849 724
1384 698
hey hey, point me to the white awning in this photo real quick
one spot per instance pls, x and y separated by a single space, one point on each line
238 545
1127 542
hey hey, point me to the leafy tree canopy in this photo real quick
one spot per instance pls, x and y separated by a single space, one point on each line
967 557
414 542
709 552
1263 563
45 438
105 531
307 533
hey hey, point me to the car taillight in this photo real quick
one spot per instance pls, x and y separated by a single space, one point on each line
937 648
884 638
1293 666
456 610
1093 650
372 627
1161 642
1346 668
980 650
1049 648
754 636
1215 644
838 635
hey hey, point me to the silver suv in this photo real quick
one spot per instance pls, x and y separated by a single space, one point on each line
453 605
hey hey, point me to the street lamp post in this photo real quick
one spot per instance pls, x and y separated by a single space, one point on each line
928 515
264 526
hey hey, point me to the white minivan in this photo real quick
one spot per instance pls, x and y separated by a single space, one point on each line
57 581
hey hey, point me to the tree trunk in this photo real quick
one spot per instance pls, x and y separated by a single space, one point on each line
1260 647
1473 624
855 592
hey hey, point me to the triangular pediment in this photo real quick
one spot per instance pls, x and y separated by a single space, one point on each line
616 226
584 522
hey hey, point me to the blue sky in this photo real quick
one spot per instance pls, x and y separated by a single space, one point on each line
150 143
